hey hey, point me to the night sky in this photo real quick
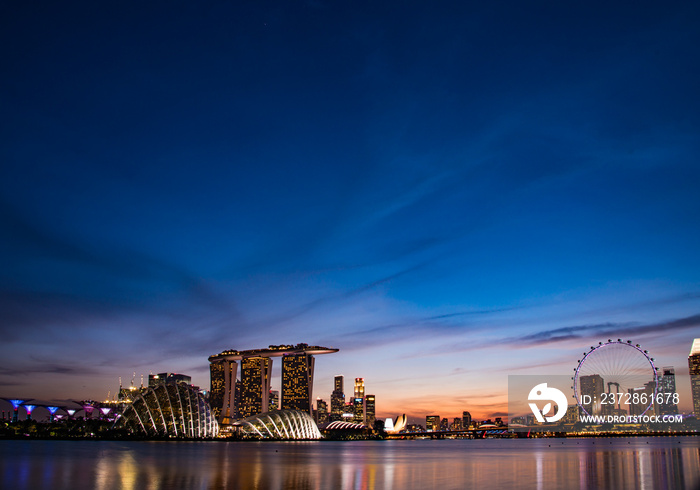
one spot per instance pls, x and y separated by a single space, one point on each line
448 193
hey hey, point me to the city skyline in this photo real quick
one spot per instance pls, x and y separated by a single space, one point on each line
226 361
448 194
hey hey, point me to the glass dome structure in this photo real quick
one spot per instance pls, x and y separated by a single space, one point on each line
280 424
342 425
170 410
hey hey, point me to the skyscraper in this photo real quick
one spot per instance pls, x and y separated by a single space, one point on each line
667 389
592 387
321 411
297 382
644 394
359 387
337 399
694 368
256 373
370 410
217 387
432 423
338 383
466 419
224 389
358 410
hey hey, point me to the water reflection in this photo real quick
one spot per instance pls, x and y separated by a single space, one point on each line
570 463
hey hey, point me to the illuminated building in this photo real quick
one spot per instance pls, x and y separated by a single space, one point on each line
572 415
667 388
444 424
348 414
297 382
321 411
274 400
338 384
370 410
694 368
456 424
432 423
466 419
337 399
223 390
256 372
395 426
359 387
358 410
168 378
592 387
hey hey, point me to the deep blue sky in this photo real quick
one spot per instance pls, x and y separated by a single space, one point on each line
446 193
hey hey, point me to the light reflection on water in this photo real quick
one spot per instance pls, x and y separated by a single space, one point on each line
662 462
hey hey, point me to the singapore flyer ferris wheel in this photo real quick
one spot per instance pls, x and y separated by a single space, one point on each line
615 378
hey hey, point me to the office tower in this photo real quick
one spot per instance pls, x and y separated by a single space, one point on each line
359 387
466 419
337 400
591 389
643 394
432 423
456 424
370 410
694 368
274 403
297 382
444 424
667 388
321 411
256 373
358 410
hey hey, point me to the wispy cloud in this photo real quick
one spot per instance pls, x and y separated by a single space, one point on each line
613 330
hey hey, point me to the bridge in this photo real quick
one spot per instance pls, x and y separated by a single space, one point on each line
477 433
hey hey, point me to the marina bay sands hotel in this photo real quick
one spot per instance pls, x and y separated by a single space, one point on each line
230 400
